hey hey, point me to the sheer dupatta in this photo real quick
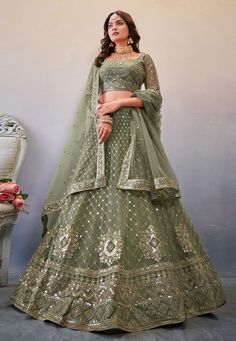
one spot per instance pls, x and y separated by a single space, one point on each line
145 130
63 183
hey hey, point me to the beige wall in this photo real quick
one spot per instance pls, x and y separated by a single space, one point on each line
46 50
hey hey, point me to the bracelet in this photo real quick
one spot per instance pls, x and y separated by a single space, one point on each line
106 118
105 122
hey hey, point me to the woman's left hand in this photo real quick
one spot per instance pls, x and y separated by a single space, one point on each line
107 108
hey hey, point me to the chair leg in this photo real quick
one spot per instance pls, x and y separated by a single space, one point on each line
5 240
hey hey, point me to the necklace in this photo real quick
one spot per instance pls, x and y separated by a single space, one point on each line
122 53
123 49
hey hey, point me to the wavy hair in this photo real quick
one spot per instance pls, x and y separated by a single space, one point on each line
105 49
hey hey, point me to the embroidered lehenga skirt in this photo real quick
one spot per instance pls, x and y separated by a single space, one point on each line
116 259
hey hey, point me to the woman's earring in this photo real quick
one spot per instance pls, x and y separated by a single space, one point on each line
130 41
111 44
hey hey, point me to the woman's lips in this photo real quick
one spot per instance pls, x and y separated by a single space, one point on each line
115 33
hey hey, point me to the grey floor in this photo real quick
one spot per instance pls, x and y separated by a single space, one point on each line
220 326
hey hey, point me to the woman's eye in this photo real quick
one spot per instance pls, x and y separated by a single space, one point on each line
119 23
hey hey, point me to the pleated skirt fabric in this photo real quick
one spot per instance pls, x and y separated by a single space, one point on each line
116 259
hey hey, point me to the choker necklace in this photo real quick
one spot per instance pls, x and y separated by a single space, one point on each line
123 49
122 53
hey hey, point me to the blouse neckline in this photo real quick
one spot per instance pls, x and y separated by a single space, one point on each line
125 60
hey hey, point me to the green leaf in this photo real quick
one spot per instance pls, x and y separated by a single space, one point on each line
24 195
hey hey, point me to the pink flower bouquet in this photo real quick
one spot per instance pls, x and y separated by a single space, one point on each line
11 192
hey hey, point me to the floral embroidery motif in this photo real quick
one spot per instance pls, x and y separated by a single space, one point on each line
66 242
184 238
151 244
110 247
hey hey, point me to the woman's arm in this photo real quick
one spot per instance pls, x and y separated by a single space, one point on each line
151 96
131 102
110 107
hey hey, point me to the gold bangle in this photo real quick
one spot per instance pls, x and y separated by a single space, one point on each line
105 122
106 118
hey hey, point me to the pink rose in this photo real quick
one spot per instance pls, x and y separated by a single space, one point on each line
10 187
6 196
18 202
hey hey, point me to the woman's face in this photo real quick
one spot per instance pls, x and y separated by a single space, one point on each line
118 26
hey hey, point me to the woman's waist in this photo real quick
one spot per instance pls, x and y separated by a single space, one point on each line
113 95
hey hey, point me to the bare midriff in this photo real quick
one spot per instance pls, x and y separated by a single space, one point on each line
110 96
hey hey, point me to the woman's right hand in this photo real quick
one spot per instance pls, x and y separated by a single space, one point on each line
104 131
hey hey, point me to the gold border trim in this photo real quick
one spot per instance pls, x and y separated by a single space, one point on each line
117 323
74 188
120 269
114 324
142 184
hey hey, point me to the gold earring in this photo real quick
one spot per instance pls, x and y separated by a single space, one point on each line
111 44
130 41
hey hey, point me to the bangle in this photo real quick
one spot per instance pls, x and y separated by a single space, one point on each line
106 118
109 122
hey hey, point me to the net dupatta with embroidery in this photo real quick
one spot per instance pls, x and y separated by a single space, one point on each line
164 183
145 130
62 184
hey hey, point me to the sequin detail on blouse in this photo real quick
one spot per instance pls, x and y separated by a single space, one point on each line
127 74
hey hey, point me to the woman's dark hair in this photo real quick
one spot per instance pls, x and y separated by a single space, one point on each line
106 50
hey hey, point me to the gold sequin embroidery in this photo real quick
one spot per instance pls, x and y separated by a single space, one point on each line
66 242
151 244
184 238
110 247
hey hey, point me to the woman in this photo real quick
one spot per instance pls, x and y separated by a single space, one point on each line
118 249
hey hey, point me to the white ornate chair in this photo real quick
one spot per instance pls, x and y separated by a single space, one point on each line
13 145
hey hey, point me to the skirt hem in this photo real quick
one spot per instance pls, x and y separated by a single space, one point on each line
116 324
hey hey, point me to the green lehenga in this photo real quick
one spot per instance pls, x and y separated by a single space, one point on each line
116 259
121 252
